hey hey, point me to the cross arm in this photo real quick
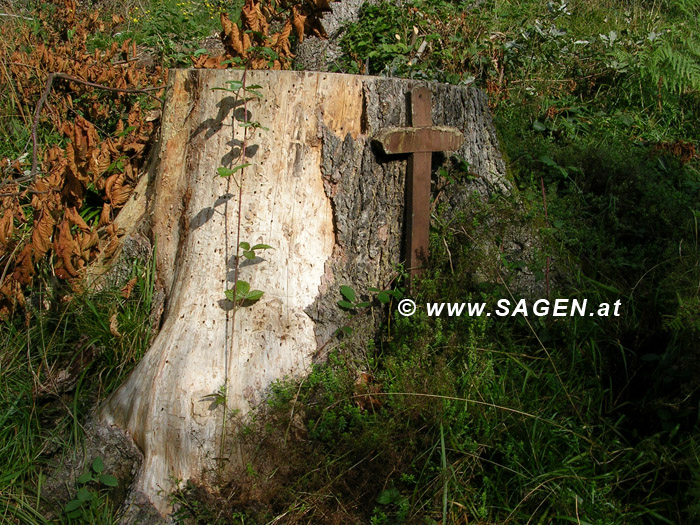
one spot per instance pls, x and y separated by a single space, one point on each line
419 139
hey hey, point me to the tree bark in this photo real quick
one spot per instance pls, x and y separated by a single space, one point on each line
320 192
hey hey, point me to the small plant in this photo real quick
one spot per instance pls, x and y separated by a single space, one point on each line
388 498
349 301
385 296
91 496
249 252
242 293
218 398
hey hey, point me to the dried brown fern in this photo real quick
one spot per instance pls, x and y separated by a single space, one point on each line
76 90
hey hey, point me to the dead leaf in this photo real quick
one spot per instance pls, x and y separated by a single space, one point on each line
114 325
365 386
42 234
298 21
129 287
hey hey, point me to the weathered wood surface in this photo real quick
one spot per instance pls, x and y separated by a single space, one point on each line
320 191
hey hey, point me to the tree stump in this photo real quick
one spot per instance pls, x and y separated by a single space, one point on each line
320 192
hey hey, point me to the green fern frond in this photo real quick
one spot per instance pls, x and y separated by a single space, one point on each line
677 69
693 46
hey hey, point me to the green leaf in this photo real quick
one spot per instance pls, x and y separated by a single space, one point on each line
262 247
72 505
98 465
383 297
244 245
85 478
363 304
85 494
253 125
243 293
269 53
254 295
346 330
227 172
234 85
538 126
253 90
388 496
200 51
242 288
346 305
548 161
396 294
348 293
126 131
236 61
249 254
109 480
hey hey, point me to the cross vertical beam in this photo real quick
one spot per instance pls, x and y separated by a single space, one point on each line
418 188
420 140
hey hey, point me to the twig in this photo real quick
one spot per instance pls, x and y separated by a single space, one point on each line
419 53
16 16
9 259
25 192
47 90
129 61
546 220
24 65
37 112
18 180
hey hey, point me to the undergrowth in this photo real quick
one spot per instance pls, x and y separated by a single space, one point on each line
57 365
494 420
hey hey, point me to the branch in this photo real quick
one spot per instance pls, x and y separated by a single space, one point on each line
16 16
47 90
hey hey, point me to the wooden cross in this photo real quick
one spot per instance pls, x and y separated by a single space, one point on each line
420 140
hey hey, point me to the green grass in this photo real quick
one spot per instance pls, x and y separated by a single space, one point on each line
169 30
628 66
40 424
